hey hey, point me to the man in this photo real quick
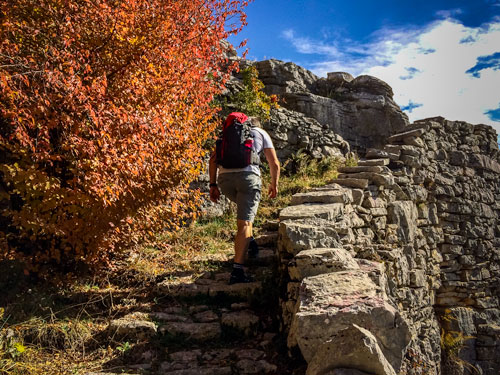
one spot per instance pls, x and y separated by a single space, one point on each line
243 186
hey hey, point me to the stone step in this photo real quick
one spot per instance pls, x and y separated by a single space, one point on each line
219 361
241 322
328 187
377 178
267 239
325 196
328 211
199 332
374 153
217 288
362 168
359 183
374 162
407 134
271 225
266 256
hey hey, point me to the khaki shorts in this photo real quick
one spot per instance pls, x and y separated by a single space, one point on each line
244 189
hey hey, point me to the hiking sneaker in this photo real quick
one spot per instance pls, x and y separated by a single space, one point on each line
253 249
239 276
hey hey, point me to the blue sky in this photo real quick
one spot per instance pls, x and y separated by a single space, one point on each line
442 58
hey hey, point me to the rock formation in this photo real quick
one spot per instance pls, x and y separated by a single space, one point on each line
395 268
361 110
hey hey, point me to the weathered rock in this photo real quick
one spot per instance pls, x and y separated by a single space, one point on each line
374 162
192 331
332 302
325 196
361 110
132 327
318 261
404 214
247 366
307 234
352 347
352 182
244 321
328 211
362 168
206 316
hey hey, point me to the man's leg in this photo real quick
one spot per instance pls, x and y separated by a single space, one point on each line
242 239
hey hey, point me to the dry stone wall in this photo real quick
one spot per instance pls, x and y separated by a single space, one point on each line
401 254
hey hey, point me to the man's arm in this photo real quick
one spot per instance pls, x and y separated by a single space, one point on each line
212 173
274 167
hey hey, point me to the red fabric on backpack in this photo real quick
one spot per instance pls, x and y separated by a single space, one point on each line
241 117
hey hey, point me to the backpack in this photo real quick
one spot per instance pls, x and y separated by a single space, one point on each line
234 148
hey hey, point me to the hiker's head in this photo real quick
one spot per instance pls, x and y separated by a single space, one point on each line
254 121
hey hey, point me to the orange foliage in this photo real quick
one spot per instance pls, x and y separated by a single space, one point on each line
104 106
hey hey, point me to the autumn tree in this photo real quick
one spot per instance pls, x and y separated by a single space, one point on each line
103 107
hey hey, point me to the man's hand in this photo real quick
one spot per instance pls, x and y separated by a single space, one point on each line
272 191
274 169
214 194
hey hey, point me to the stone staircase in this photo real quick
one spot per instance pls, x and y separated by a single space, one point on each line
207 326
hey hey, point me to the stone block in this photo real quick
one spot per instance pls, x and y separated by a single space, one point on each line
353 347
334 196
328 211
404 214
332 302
295 236
318 261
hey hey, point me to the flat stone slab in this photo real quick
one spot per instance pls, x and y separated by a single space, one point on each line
376 178
132 328
192 331
244 321
401 136
361 168
211 288
267 239
207 316
247 366
165 317
266 256
329 211
373 153
242 290
324 196
225 370
332 186
374 162
359 183
318 261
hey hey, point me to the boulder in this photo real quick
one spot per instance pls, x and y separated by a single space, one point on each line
352 347
332 302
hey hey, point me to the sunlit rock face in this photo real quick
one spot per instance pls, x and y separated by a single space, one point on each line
361 110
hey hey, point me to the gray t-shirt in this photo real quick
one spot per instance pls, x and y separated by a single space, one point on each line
262 140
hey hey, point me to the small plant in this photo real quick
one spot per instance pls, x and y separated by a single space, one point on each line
125 347
352 160
453 342
251 100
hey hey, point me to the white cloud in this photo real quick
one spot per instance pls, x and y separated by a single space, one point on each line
424 66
